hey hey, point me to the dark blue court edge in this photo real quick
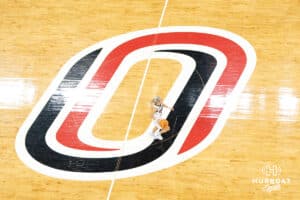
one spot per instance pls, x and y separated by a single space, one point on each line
35 139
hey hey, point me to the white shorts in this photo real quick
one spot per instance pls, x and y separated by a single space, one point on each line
156 119
157 116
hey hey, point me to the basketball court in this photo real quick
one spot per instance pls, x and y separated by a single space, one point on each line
71 130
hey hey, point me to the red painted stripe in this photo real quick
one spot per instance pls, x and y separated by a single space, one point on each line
68 132
236 62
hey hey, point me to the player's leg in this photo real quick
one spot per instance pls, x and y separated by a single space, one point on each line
156 130
165 130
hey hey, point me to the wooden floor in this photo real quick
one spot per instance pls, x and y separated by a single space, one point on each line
38 37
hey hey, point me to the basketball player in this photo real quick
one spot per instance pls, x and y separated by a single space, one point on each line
160 125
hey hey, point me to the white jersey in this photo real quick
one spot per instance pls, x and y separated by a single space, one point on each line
158 111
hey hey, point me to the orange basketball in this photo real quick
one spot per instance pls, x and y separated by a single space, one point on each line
164 123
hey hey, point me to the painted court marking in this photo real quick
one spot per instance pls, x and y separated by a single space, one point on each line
136 101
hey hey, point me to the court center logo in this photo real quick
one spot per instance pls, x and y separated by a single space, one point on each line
57 140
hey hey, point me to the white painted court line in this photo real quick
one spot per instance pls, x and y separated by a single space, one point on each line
137 100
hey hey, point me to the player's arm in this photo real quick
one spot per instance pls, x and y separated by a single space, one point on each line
152 112
171 108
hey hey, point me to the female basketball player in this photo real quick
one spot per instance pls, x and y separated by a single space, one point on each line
161 125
